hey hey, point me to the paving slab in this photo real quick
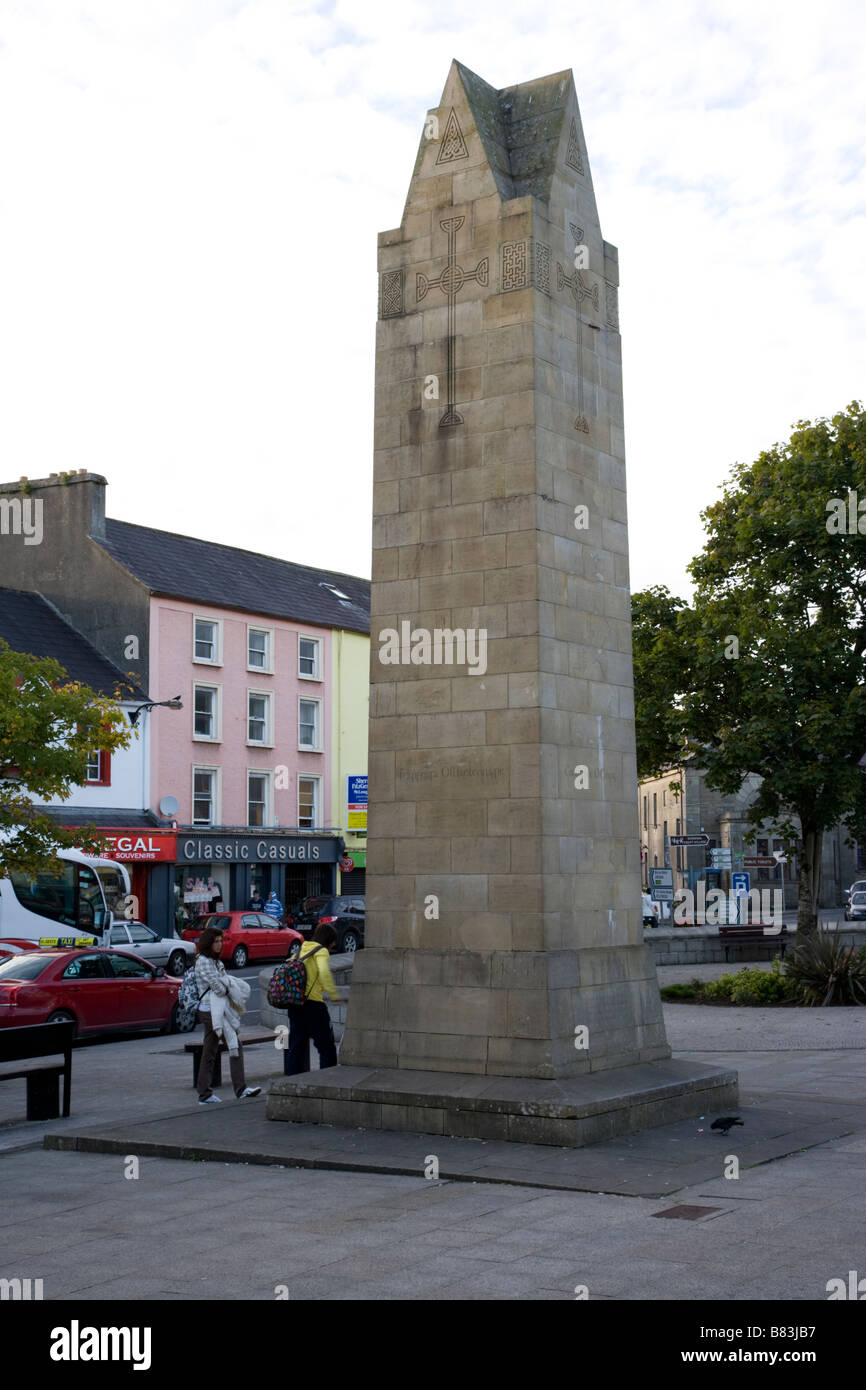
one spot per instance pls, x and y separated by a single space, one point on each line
788 1224
651 1164
381 1237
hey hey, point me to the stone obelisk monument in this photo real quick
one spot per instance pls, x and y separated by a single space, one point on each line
505 991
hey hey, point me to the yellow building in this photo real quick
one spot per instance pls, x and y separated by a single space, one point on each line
350 708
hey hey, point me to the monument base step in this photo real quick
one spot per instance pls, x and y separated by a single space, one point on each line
569 1113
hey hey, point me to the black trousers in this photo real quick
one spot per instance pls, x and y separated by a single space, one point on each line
309 1022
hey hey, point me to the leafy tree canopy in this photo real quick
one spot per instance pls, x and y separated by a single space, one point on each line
763 673
49 725
659 679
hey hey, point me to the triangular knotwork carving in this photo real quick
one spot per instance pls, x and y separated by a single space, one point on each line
453 144
574 158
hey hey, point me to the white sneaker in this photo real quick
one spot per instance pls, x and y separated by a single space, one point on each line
249 1091
211 1100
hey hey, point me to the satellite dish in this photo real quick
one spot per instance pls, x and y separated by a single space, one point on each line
168 807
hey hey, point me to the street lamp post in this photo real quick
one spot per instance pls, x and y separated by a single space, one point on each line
154 704
781 859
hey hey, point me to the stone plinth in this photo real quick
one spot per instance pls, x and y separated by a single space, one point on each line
570 1113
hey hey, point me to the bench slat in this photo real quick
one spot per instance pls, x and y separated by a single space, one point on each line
38 1040
59 1067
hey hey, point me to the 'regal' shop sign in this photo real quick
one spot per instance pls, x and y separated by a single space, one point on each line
139 847
228 849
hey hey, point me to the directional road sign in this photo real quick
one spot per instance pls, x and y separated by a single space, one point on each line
661 885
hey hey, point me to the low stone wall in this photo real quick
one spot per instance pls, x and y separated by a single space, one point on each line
704 946
669 946
341 969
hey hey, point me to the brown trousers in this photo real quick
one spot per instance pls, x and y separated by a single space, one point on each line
209 1056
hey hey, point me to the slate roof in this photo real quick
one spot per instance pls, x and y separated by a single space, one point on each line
222 576
29 623
105 819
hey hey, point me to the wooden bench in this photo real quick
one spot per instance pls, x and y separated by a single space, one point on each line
247 1040
750 935
43 1078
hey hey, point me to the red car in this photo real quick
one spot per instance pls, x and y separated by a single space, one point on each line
247 936
99 990
14 946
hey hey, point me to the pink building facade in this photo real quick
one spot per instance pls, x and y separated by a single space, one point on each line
243 776
248 752
256 711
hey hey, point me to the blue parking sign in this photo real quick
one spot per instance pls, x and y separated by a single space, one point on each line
740 884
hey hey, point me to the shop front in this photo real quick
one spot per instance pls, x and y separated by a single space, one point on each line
353 871
149 856
216 871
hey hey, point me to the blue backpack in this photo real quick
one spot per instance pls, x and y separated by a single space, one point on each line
188 1001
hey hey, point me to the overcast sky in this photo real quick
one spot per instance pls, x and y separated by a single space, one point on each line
190 192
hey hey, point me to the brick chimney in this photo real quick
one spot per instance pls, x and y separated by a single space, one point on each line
62 559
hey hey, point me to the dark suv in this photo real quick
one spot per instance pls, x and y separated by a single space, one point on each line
346 915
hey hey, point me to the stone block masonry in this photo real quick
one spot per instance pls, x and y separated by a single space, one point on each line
504 939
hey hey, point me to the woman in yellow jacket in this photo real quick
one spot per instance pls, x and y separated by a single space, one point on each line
311 1020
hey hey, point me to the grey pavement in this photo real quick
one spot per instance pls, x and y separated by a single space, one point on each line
793 1219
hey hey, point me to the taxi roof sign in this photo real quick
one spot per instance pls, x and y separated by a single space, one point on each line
66 941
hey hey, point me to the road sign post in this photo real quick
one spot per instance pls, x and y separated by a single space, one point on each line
781 859
740 885
661 886
720 859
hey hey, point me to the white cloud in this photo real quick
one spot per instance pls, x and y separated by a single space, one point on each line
192 190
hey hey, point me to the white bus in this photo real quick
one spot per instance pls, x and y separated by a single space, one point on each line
81 899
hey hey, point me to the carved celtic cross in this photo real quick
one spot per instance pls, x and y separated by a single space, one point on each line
450 282
580 291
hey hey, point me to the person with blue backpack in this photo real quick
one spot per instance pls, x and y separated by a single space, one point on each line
309 1019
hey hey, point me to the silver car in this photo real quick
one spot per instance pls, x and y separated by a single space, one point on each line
855 908
168 951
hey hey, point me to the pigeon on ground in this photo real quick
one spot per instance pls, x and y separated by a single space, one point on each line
726 1122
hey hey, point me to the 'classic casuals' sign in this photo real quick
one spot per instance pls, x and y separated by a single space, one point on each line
230 849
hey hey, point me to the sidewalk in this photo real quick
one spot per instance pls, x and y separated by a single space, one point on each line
356 1228
131 1079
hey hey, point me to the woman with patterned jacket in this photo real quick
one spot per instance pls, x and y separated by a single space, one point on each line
211 977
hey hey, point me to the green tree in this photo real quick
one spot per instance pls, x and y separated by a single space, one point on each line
661 676
48 727
773 645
